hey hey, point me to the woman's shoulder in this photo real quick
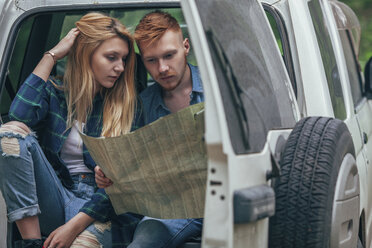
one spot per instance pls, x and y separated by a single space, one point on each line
34 82
55 81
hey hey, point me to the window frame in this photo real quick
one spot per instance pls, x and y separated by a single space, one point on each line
27 68
358 101
327 54
283 33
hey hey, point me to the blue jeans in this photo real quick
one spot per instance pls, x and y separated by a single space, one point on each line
31 187
162 233
136 232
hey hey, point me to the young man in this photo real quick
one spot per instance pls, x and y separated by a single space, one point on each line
178 85
163 51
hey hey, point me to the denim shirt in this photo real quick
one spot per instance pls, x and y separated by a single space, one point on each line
153 103
153 107
42 107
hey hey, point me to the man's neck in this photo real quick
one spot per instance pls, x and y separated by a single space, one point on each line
184 88
179 98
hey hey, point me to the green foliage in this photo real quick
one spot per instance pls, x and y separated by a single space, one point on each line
363 9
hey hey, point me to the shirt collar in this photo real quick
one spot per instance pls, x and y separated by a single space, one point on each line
195 77
196 86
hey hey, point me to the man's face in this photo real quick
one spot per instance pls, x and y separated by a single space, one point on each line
165 59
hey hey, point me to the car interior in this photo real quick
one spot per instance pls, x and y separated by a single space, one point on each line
37 32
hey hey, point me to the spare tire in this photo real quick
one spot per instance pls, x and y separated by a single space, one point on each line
317 193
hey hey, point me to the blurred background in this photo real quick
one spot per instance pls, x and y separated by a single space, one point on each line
363 9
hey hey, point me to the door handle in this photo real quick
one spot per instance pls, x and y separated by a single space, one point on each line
365 138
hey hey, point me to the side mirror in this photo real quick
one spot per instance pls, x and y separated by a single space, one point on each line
368 78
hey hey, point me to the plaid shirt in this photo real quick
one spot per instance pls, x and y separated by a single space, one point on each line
150 107
42 107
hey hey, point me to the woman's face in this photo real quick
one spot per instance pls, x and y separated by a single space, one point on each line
108 62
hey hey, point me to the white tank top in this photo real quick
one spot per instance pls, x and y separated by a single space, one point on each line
72 152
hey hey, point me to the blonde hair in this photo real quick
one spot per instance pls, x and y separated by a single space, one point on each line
120 100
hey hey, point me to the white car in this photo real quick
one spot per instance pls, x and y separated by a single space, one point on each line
288 112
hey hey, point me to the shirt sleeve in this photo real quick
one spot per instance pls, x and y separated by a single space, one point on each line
99 207
31 104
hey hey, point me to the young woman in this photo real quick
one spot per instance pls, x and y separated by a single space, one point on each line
45 180
164 51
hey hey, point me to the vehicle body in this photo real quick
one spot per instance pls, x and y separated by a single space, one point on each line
265 65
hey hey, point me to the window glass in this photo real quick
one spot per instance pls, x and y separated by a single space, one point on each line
130 19
251 75
349 30
60 25
352 67
278 27
329 60
15 66
275 30
346 19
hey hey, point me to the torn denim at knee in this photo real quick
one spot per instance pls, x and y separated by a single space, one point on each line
96 235
12 149
9 141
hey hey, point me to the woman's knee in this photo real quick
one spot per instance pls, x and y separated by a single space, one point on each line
10 135
86 239
97 235
15 127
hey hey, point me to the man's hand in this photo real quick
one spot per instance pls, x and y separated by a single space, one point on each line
101 180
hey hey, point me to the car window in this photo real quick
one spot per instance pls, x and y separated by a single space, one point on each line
275 30
42 31
130 19
251 75
328 58
14 71
349 30
278 27
352 67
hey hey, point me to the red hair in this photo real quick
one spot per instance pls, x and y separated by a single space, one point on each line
153 26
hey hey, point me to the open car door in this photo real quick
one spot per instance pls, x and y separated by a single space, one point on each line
250 106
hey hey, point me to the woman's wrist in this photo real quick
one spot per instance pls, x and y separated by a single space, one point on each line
52 54
80 222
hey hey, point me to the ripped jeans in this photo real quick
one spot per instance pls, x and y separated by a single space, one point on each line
31 187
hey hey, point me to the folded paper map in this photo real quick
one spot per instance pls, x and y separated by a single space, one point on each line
159 170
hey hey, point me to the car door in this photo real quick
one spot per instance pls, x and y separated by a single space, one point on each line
349 32
363 112
248 94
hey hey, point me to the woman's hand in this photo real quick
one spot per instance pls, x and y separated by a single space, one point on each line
45 66
64 235
64 46
101 180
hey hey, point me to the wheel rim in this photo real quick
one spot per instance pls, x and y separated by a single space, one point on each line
345 212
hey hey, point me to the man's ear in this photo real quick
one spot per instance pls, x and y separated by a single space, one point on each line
186 45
